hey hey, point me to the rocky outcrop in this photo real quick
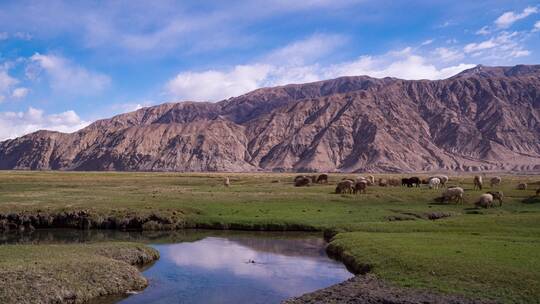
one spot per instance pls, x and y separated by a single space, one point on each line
485 118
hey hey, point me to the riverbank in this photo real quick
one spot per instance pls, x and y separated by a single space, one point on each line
391 232
71 273
368 289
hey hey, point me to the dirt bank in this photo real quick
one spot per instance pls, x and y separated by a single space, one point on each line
364 289
84 219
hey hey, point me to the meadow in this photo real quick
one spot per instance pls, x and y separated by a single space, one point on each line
488 253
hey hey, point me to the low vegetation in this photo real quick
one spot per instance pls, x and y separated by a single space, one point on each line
400 234
70 273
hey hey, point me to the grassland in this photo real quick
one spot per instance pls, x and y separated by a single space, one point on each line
490 253
70 273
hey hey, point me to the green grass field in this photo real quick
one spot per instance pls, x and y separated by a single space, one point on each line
493 253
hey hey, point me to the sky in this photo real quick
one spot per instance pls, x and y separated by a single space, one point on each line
64 64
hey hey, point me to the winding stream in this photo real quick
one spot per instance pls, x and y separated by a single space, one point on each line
218 266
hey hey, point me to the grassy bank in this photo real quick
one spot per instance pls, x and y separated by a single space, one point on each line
70 273
477 252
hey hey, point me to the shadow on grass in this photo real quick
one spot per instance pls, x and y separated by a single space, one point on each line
532 200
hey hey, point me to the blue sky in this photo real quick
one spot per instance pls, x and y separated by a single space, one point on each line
64 64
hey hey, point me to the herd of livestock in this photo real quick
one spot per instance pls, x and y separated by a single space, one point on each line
451 193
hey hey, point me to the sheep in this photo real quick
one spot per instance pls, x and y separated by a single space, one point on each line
495 181
322 179
454 193
538 192
360 178
411 182
415 180
497 195
313 178
478 182
299 177
371 180
383 182
406 182
360 187
485 200
434 183
394 182
443 179
226 181
522 186
301 181
345 186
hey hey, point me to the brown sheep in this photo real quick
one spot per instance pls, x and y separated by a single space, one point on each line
299 177
322 179
383 182
538 192
302 181
345 186
497 195
394 182
522 186
495 181
360 187
478 182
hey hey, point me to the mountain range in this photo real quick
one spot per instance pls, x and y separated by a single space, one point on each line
482 119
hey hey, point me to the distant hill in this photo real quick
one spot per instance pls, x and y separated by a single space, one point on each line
485 118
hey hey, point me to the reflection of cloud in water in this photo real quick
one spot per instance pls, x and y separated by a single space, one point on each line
286 274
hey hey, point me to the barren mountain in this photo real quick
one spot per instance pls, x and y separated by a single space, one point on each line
485 118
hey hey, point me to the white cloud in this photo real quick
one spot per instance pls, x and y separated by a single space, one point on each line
213 85
306 50
508 18
505 45
19 93
405 65
66 77
6 83
474 47
536 27
23 36
483 31
297 63
427 42
14 124
446 54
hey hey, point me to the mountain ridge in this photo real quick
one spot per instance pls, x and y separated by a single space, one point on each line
484 118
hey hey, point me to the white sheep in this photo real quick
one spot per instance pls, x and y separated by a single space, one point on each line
454 193
434 183
371 179
495 181
442 178
485 200
226 181
360 178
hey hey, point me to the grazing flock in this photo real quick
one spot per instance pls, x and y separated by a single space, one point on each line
450 193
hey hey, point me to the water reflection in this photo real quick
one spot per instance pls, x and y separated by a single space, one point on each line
239 270
201 266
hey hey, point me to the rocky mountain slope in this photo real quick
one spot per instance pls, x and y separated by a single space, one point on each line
485 118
